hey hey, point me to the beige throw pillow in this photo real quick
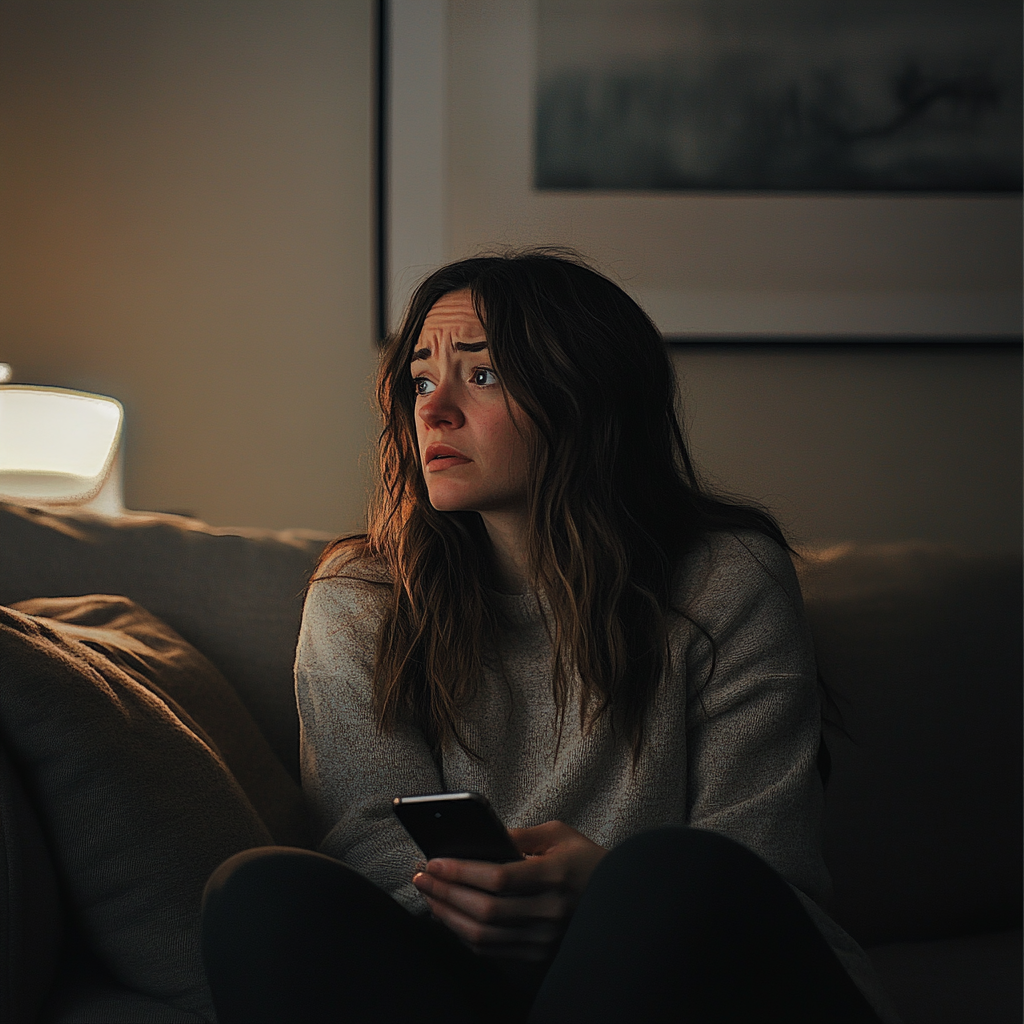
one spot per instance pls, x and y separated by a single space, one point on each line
160 660
137 800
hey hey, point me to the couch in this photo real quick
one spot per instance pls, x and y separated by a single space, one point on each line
147 731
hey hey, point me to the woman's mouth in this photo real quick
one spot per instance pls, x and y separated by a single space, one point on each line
439 457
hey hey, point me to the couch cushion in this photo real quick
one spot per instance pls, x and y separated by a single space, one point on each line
137 805
100 1003
166 665
950 981
86 993
921 645
30 917
234 594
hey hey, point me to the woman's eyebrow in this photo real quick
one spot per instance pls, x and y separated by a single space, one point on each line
460 346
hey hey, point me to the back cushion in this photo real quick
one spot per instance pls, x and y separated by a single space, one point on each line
921 646
234 594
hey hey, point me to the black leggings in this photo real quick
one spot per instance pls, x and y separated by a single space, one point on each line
676 925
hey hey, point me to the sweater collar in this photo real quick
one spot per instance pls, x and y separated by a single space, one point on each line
519 609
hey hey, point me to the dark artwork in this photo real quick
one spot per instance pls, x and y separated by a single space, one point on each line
799 95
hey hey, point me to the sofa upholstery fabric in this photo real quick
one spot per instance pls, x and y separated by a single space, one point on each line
31 926
921 646
201 698
955 980
137 806
98 1002
235 594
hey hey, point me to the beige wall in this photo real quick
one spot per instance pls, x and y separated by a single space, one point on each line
872 443
186 220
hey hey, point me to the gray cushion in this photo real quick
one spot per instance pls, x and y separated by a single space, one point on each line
922 647
101 1003
236 595
138 807
951 981
166 665
30 917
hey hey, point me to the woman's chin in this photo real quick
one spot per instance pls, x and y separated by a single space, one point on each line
444 500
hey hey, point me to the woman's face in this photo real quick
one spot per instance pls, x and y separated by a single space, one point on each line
473 457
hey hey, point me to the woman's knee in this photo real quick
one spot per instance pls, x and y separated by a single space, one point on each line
677 871
274 896
664 853
266 872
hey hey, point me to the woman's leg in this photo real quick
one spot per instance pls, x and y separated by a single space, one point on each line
290 935
684 925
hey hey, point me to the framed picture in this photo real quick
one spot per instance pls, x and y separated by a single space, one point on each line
854 171
780 95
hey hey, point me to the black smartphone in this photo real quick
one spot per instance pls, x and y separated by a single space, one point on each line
461 825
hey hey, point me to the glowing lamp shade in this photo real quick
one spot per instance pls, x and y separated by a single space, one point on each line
60 447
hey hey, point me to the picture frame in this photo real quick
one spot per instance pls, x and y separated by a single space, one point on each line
811 96
456 157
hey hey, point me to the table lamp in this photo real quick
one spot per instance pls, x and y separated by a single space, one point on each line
60 449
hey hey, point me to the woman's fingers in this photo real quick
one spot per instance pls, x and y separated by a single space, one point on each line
559 857
519 877
539 839
568 857
525 941
490 908
518 909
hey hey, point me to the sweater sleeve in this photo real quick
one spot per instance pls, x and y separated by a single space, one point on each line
350 773
754 717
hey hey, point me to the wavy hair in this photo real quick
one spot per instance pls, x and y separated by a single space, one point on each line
614 502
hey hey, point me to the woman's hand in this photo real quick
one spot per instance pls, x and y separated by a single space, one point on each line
517 910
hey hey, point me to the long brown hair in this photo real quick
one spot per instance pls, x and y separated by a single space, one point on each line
614 502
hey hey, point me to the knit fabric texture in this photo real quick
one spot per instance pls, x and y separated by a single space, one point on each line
730 741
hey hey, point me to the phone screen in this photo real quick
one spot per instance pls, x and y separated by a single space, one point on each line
461 825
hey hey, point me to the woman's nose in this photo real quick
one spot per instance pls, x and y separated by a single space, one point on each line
441 408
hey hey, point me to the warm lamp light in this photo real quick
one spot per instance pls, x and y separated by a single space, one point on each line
60 448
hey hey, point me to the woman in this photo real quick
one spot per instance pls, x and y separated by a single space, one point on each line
547 608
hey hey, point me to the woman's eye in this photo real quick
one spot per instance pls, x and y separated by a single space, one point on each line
423 386
483 376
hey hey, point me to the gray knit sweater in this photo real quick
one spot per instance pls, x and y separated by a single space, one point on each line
731 750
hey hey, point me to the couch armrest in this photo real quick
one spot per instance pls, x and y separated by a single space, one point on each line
31 920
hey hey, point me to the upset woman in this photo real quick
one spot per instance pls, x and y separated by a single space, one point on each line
550 609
